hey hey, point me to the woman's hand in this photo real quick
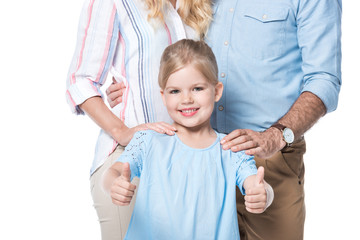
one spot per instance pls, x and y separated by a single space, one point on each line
124 136
115 92
96 109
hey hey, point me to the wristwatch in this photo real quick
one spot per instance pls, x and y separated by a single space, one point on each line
288 134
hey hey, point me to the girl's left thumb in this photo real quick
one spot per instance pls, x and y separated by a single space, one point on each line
260 175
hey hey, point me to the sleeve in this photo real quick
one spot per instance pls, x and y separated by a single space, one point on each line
319 33
245 166
98 34
135 153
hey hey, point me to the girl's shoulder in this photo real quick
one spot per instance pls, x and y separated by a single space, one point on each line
151 135
239 155
221 135
143 134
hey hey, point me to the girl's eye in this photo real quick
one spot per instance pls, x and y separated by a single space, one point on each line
174 91
197 89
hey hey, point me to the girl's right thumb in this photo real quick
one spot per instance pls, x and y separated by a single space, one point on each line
126 173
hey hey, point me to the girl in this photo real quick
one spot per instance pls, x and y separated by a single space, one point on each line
187 188
126 37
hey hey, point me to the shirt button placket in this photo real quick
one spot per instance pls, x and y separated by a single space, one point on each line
220 116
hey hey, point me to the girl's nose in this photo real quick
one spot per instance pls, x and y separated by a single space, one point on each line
187 98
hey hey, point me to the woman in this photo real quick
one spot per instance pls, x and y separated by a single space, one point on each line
127 38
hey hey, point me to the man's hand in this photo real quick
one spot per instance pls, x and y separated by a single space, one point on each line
115 92
262 144
256 195
122 190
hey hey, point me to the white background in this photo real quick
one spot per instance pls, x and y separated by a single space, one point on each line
46 152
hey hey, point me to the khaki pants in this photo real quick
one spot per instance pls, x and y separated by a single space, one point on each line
114 220
284 219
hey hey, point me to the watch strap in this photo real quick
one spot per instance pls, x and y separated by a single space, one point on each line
278 126
281 128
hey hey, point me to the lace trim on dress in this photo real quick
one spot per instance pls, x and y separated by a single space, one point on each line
136 147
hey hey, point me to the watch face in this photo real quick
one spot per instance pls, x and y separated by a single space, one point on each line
288 135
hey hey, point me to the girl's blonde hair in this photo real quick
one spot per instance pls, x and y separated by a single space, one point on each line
195 13
185 52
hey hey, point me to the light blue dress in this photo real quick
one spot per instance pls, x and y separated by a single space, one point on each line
184 193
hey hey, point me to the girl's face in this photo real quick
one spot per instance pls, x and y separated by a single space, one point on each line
189 98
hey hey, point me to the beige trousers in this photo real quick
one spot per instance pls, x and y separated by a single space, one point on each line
114 220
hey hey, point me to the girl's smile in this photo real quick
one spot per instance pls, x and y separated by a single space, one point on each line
189 98
189 112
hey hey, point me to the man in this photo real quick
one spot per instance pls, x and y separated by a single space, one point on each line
280 64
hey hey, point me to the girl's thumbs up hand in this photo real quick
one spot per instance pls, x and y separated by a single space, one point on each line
256 195
122 190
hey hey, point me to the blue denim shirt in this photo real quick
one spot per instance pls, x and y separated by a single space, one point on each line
268 53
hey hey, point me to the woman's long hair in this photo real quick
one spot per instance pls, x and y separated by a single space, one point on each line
195 13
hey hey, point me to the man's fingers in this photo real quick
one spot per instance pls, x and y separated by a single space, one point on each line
257 151
244 146
234 134
236 141
244 142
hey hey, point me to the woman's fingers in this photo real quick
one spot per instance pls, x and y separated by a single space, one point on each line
114 93
161 127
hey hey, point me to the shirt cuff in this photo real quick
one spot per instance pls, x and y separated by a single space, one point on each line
80 91
326 87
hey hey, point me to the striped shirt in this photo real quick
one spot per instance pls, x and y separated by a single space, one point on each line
116 36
